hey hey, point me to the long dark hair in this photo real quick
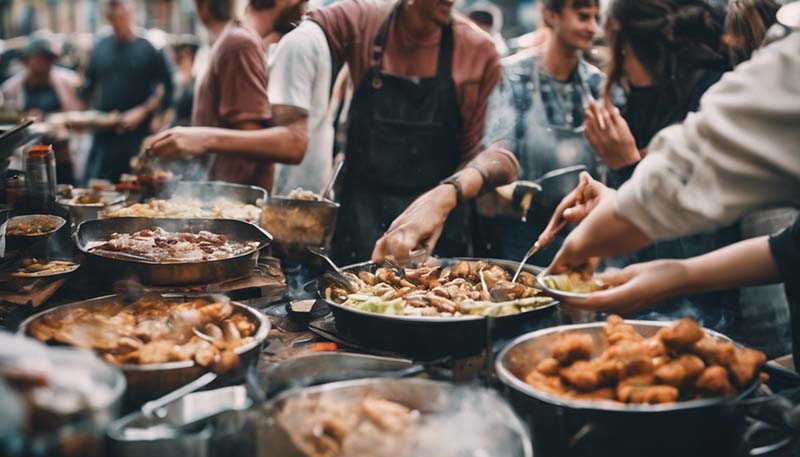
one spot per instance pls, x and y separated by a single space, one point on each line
671 38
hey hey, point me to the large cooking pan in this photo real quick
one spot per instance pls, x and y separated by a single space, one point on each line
564 427
428 338
456 420
146 382
172 274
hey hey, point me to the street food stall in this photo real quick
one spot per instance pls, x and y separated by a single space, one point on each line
201 336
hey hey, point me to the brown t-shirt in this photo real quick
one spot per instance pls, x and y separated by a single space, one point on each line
351 27
232 90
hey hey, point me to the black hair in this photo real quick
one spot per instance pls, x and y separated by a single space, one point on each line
220 10
671 38
482 17
261 4
559 5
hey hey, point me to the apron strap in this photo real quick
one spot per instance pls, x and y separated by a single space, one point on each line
444 63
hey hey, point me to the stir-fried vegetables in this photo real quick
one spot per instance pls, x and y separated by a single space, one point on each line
465 289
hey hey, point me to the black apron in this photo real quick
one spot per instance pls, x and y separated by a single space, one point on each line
403 138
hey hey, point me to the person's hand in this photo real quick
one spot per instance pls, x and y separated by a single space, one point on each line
177 142
636 288
574 207
132 119
421 223
609 135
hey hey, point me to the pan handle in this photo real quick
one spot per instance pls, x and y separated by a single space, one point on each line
776 414
268 237
155 408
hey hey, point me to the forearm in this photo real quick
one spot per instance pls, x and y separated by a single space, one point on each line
495 167
747 263
283 144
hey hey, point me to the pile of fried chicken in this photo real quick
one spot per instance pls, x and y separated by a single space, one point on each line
434 291
681 362
159 245
152 330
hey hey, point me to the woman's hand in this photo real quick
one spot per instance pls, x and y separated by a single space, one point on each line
574 207
609 135
179 141
637 287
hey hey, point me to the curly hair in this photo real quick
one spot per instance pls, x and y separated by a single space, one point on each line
670 38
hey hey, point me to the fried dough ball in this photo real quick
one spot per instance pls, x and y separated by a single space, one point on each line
617 331
634 357
715 352
681 371
681 335
581 375
746 364
548 384
602 394
227 361
714 382
572 346
548 367
640 390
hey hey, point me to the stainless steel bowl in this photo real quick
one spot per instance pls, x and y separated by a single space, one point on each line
565 427
80 212
297 225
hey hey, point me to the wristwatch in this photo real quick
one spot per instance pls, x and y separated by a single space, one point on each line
453 181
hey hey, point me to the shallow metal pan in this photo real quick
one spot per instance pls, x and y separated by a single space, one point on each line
174 273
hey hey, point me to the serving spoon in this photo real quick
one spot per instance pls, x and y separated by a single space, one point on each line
535 248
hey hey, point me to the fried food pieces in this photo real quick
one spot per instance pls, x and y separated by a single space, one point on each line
681 362
152 330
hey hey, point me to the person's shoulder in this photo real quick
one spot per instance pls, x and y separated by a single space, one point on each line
66 74
355 11
237 38
520 63
473 36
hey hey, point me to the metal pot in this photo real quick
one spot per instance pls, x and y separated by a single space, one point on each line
175 273
210 190
564 427
298 225
493 429
146 382
429 338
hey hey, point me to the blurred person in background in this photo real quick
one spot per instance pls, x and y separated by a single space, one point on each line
231 98
126 74
665 54
537 113
489 17
183 101
42 87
